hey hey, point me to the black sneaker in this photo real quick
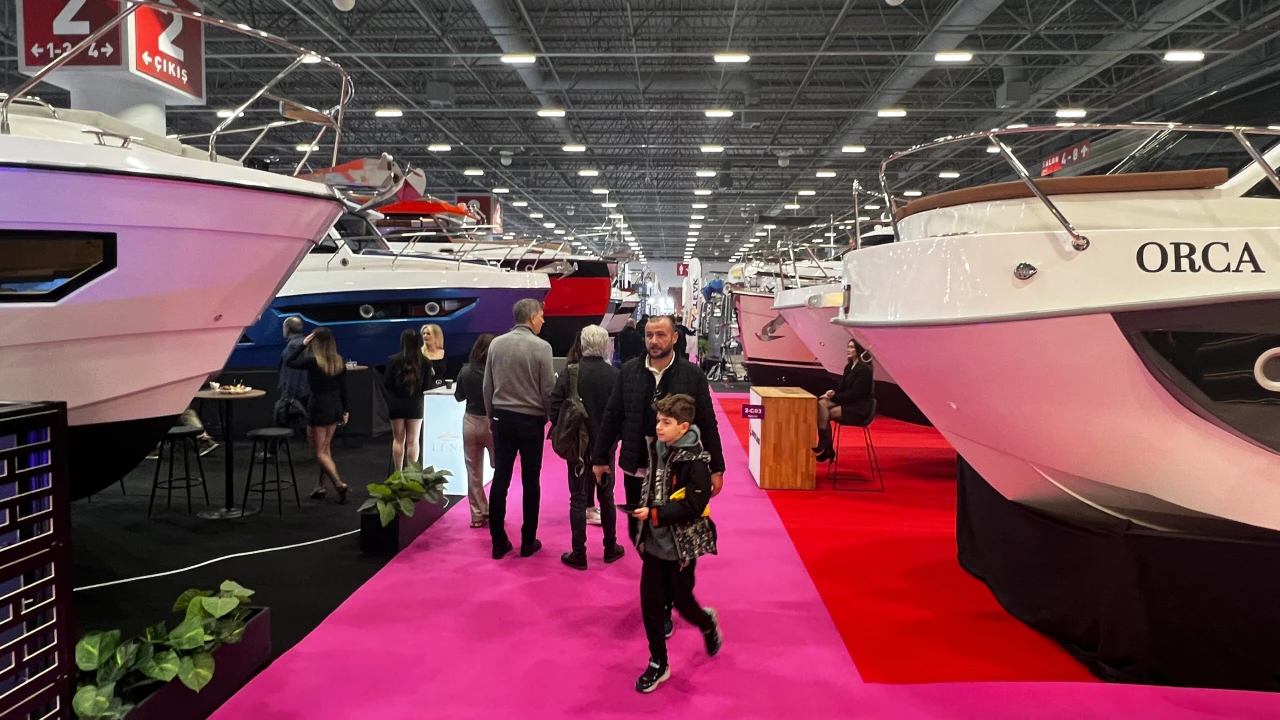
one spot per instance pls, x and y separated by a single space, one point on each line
669 629
500 551
577 561
531 548
614 553
653 676
713 639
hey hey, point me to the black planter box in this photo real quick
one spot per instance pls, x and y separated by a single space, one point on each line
378 540
234 665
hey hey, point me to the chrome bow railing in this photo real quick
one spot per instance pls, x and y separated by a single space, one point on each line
295 112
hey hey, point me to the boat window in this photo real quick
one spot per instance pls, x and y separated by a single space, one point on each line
43 266
359 233
327 246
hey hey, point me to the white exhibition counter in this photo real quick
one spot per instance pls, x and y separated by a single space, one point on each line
442 439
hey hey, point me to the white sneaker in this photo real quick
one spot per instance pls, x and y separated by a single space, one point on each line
593 516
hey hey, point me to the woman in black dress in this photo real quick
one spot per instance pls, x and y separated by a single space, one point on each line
433 352
408 375
851 403
327 375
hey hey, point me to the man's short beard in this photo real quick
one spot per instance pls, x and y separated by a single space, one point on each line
665 353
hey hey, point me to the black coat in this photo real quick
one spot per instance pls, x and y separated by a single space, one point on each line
596 379
630 417
854 394
630 344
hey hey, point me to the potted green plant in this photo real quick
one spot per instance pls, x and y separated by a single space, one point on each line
135 677
399 509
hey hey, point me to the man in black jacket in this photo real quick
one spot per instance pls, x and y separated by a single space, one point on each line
630 416
630 343
596 379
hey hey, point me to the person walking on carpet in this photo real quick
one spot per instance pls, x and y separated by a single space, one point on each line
518 379
590 378
327 378
675 529
476 435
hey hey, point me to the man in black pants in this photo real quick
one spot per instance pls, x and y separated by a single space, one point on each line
630 416
518 379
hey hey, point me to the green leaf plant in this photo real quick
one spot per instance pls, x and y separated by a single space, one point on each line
404 488
115 673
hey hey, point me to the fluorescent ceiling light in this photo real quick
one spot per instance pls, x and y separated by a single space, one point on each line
953 56
519 58
871 206
588 173
548 225
1016 126
993 149
574 148
699 206
224 114
1184 56
520 203
473 172
791 206
718 113
762 233
769 227
702 191
439 147
501 191
854 148
712 148
693 233
830 234
912 193
825 174
817 240
608 204
891 113
551 112
388 113
706 173
1072 112
1066 124
697 217
948 174
535 214
599 191
864 218
695 226
807 193
731 57
307 148
615 216
558 231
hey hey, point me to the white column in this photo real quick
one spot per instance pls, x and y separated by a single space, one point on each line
139 104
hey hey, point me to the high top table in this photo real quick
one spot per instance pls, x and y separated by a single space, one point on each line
226 404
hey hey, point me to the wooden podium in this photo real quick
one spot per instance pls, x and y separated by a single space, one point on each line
780 453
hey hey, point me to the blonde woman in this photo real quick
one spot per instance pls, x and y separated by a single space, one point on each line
327 375
433 351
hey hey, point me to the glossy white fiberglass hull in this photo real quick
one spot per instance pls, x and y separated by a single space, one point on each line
812 320
1034 382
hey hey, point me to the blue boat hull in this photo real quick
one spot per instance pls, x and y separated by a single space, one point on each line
371 341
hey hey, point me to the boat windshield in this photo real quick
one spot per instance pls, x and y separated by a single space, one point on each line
360 234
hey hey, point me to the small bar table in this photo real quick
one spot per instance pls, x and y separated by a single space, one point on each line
227 408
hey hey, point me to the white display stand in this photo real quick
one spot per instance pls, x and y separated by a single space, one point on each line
753 445
442 439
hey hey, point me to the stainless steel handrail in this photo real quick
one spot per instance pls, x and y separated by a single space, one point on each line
129 7
1078 241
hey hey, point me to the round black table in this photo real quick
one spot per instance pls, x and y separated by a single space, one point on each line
227 406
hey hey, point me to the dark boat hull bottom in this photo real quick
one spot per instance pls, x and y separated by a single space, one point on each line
1134 605
891 401
101 454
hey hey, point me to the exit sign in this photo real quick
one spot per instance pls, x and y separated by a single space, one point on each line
169 49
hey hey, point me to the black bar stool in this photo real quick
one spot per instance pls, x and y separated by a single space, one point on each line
873 461
177 437
271 440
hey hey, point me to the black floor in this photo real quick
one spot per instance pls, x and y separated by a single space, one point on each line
114 539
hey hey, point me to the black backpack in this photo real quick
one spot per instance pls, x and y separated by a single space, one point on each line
569 436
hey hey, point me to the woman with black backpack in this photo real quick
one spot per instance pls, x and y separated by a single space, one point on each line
577 403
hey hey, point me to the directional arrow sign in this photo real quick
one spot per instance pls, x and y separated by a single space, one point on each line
45 25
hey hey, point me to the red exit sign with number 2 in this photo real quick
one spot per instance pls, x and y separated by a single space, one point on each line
50 28
170 48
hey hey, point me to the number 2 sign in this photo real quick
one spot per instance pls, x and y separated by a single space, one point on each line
50 28
169 49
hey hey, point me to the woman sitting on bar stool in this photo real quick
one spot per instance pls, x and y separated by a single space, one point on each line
327 375
850 403
433 352
408 375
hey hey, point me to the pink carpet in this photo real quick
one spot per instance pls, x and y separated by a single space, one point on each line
444 631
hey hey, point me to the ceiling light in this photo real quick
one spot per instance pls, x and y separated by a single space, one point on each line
307 148
535 214
817 240
702 191
891 113
1016 126
1066 124
871 206
588 173
473 172
548 225
608 204
520 203
825 174
807 193
769 227
388 113
993 149
1184 56
706 173
551 112
501 191
599 191
712 148
574 148
699 206
615 216
732 57
791 206
519 59
695 226
224 114
864 218
830 234
1072 112
912 193
697 217
439 147
693 233
948 174
311 59
762 233
718 113
953 56
854 148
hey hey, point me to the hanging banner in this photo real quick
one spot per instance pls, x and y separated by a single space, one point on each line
1066 158
48 29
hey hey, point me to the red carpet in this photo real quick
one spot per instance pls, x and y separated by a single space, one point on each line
885 566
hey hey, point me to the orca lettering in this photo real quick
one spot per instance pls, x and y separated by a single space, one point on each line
1185 257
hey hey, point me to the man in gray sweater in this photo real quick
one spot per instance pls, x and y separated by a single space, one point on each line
518 379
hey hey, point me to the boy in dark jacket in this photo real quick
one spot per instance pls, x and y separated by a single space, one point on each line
674 528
